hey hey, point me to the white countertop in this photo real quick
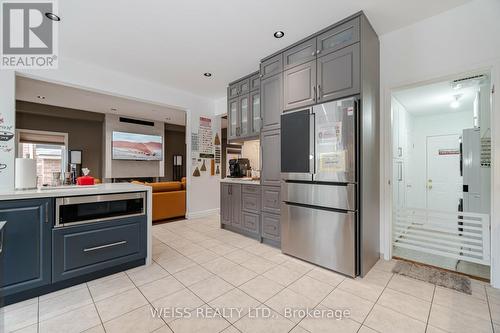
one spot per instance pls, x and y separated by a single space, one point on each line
240 181
73 191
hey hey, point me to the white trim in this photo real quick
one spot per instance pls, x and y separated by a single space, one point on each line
386 160
202 213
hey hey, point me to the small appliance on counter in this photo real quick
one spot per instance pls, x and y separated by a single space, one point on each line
85 179
238 167
25 174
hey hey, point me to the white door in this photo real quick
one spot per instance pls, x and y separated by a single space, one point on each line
444 183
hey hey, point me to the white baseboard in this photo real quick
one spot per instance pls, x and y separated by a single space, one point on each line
202 213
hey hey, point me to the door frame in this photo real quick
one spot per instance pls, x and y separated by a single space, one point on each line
427 162
493 68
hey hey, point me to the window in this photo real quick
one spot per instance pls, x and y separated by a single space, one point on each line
49 149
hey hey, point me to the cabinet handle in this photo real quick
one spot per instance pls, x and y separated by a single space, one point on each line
90 249
314 92
319 91
318 51
46 212
2 225
314 53
400 151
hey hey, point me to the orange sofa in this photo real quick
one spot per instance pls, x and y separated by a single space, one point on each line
169 199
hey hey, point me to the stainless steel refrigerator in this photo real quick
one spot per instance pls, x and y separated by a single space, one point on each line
321 176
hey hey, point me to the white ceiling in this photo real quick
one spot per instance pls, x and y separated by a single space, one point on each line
175 42
436 98
68 97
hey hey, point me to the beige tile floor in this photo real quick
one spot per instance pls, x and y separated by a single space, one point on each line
199 267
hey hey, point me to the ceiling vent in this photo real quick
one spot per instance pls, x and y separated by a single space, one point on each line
137 121
468 81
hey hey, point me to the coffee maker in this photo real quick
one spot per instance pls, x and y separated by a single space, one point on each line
238 167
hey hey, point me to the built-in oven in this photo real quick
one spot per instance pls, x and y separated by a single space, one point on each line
96 208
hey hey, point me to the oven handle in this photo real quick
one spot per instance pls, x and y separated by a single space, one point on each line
95 248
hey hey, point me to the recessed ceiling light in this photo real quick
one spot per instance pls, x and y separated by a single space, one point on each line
113 109
279 34
40 97
207 74
53 17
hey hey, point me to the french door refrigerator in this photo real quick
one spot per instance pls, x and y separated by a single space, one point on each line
320 185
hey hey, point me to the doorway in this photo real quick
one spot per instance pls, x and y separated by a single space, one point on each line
442 173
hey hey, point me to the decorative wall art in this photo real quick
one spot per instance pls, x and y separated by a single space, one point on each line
7 143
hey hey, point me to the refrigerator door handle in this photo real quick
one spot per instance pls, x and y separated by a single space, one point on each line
312 136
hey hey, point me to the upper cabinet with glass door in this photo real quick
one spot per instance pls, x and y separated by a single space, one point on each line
244 108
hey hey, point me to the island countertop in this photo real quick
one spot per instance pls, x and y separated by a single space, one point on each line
107 188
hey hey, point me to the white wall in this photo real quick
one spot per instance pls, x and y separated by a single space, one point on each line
130 169
7 124
461 40
421 128
203 192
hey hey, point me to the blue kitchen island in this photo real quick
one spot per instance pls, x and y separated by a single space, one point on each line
55 238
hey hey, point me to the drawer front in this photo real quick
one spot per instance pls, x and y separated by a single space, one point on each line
251 222
271 66
271 227
271 201
251 202
252 189
90 248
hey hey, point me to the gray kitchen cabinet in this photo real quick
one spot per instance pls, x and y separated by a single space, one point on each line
271 226
244 86
236 205
299 86
255 82
243 126
255 116
271 66
339 74
25 245
299 54
232 118
271 97
232 90
225 203
230 195
244 108
251 202
270 148
250 222
271 199
338 37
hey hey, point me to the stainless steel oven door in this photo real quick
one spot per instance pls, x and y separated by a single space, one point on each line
297 144
97 208
322 237
335 141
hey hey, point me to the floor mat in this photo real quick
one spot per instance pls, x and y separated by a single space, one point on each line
434 275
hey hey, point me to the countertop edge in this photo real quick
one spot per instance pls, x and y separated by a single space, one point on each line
100 189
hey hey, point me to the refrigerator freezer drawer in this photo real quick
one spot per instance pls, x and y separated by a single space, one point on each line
324 195
322 237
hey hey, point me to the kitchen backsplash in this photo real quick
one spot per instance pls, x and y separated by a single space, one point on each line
251 150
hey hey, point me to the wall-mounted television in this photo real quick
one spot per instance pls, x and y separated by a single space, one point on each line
137 147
